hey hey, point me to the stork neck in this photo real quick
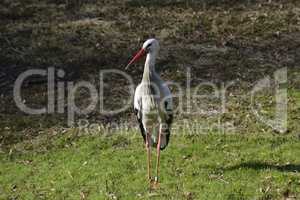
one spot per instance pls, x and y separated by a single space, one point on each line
149 69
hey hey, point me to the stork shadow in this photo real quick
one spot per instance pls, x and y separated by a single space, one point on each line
263 166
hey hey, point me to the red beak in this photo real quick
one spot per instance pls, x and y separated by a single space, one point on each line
136 57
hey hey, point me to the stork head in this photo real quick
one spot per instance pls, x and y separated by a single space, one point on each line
149 46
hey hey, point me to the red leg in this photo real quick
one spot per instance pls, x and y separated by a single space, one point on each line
158 157
148 148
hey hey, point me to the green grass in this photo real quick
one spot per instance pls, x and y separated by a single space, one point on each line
212 166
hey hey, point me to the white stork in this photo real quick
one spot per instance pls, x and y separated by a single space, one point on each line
152 106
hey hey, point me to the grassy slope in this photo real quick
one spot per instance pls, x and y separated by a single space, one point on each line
221 41
204 167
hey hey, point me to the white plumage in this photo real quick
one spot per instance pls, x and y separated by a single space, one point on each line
154 116
153 105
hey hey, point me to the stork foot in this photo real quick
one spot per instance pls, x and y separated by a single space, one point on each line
155 183
151 183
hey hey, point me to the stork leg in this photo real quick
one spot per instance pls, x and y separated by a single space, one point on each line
157 158
148 148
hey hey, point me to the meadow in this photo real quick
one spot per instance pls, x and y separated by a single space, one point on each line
211 166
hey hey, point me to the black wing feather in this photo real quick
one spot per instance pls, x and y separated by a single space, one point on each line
169 121
139 119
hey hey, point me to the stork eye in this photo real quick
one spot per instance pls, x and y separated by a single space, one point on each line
148 45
